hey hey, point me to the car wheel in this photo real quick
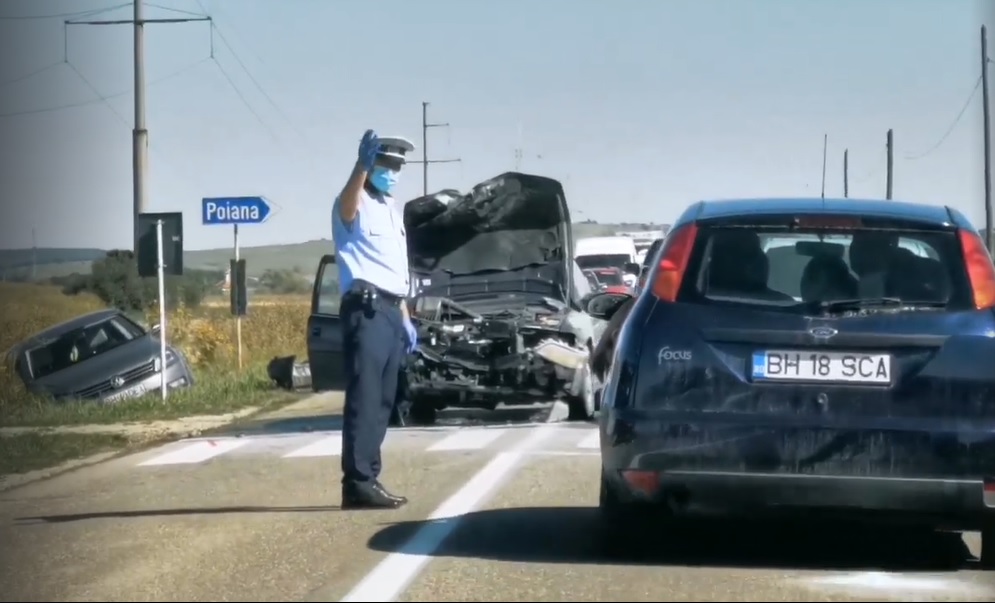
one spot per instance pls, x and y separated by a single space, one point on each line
422 412
988 547
583 407
620 525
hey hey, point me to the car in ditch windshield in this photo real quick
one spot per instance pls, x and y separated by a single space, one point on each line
496 297
827 356
102 356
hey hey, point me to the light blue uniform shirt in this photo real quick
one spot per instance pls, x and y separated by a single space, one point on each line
374 247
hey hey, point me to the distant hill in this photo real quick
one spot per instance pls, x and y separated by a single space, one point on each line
16 264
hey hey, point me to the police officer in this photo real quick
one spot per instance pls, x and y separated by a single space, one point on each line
372 256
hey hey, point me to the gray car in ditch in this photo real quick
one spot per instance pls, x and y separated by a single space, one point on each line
102 356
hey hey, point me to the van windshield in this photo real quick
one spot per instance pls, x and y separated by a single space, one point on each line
799 269
603 260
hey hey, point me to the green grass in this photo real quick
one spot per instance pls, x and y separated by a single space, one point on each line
212 394
31 451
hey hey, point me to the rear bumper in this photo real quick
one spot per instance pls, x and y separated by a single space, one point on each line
718 468
946 504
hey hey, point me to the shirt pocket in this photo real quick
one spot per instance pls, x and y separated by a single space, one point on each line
372 225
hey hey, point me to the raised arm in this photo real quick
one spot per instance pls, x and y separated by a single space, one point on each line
351 194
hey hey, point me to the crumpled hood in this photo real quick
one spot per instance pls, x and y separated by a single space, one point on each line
505 223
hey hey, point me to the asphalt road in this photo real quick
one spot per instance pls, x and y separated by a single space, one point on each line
498 513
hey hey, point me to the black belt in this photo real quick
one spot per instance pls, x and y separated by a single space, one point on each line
368 292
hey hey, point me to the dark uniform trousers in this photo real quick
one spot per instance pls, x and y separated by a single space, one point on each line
373 337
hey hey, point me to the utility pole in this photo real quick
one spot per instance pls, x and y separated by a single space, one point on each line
139 134
424 147
891 158
846 173
986 108
825 143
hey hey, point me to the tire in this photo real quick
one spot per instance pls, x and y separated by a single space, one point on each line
422 412
583 407
621 526
988 547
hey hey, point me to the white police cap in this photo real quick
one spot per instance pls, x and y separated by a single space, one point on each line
395 146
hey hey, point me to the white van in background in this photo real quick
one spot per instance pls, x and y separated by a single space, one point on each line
608 252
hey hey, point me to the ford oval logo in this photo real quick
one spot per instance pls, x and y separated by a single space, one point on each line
822 332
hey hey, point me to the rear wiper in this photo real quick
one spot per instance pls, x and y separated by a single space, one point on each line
865 303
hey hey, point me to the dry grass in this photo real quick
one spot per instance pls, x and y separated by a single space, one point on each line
205 335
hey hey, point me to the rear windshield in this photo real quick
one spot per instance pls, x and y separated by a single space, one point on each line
798 268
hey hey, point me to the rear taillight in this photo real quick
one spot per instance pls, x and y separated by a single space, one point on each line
673 262
979 269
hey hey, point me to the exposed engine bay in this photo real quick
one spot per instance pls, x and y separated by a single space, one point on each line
519 354
495 299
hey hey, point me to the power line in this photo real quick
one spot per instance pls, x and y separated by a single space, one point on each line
105 100
967 104
101 98
255 82
244 100
68 15
31 74
214 18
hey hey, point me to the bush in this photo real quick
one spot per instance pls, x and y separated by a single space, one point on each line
114 280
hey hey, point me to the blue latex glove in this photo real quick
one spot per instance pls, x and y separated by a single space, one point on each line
410 335
368 148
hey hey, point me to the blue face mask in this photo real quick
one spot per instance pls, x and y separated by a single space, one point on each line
383 179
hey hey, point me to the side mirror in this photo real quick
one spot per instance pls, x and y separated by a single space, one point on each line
604 305
632 268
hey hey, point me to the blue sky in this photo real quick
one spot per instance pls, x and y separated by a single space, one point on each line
638 107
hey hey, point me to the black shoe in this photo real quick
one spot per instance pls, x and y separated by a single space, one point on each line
369 495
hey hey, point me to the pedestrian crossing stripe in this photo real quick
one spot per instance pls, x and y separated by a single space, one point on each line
196 452
571 439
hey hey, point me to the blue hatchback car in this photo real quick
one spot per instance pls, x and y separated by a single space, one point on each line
811 355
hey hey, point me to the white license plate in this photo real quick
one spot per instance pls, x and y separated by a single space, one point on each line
134 392
834 367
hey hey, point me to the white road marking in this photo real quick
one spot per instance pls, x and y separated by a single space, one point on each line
196 452
591 440
469 439
392 575
563 453
896 586
327 446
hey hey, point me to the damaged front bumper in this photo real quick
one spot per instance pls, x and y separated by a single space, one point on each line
481 362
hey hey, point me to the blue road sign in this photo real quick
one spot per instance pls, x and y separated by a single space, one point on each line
235 210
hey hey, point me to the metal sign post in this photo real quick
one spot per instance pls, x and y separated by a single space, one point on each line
235 211
238 316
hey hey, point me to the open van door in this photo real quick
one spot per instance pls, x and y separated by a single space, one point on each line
324 329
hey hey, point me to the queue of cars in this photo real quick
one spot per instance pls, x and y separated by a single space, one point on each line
805 355
809 356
